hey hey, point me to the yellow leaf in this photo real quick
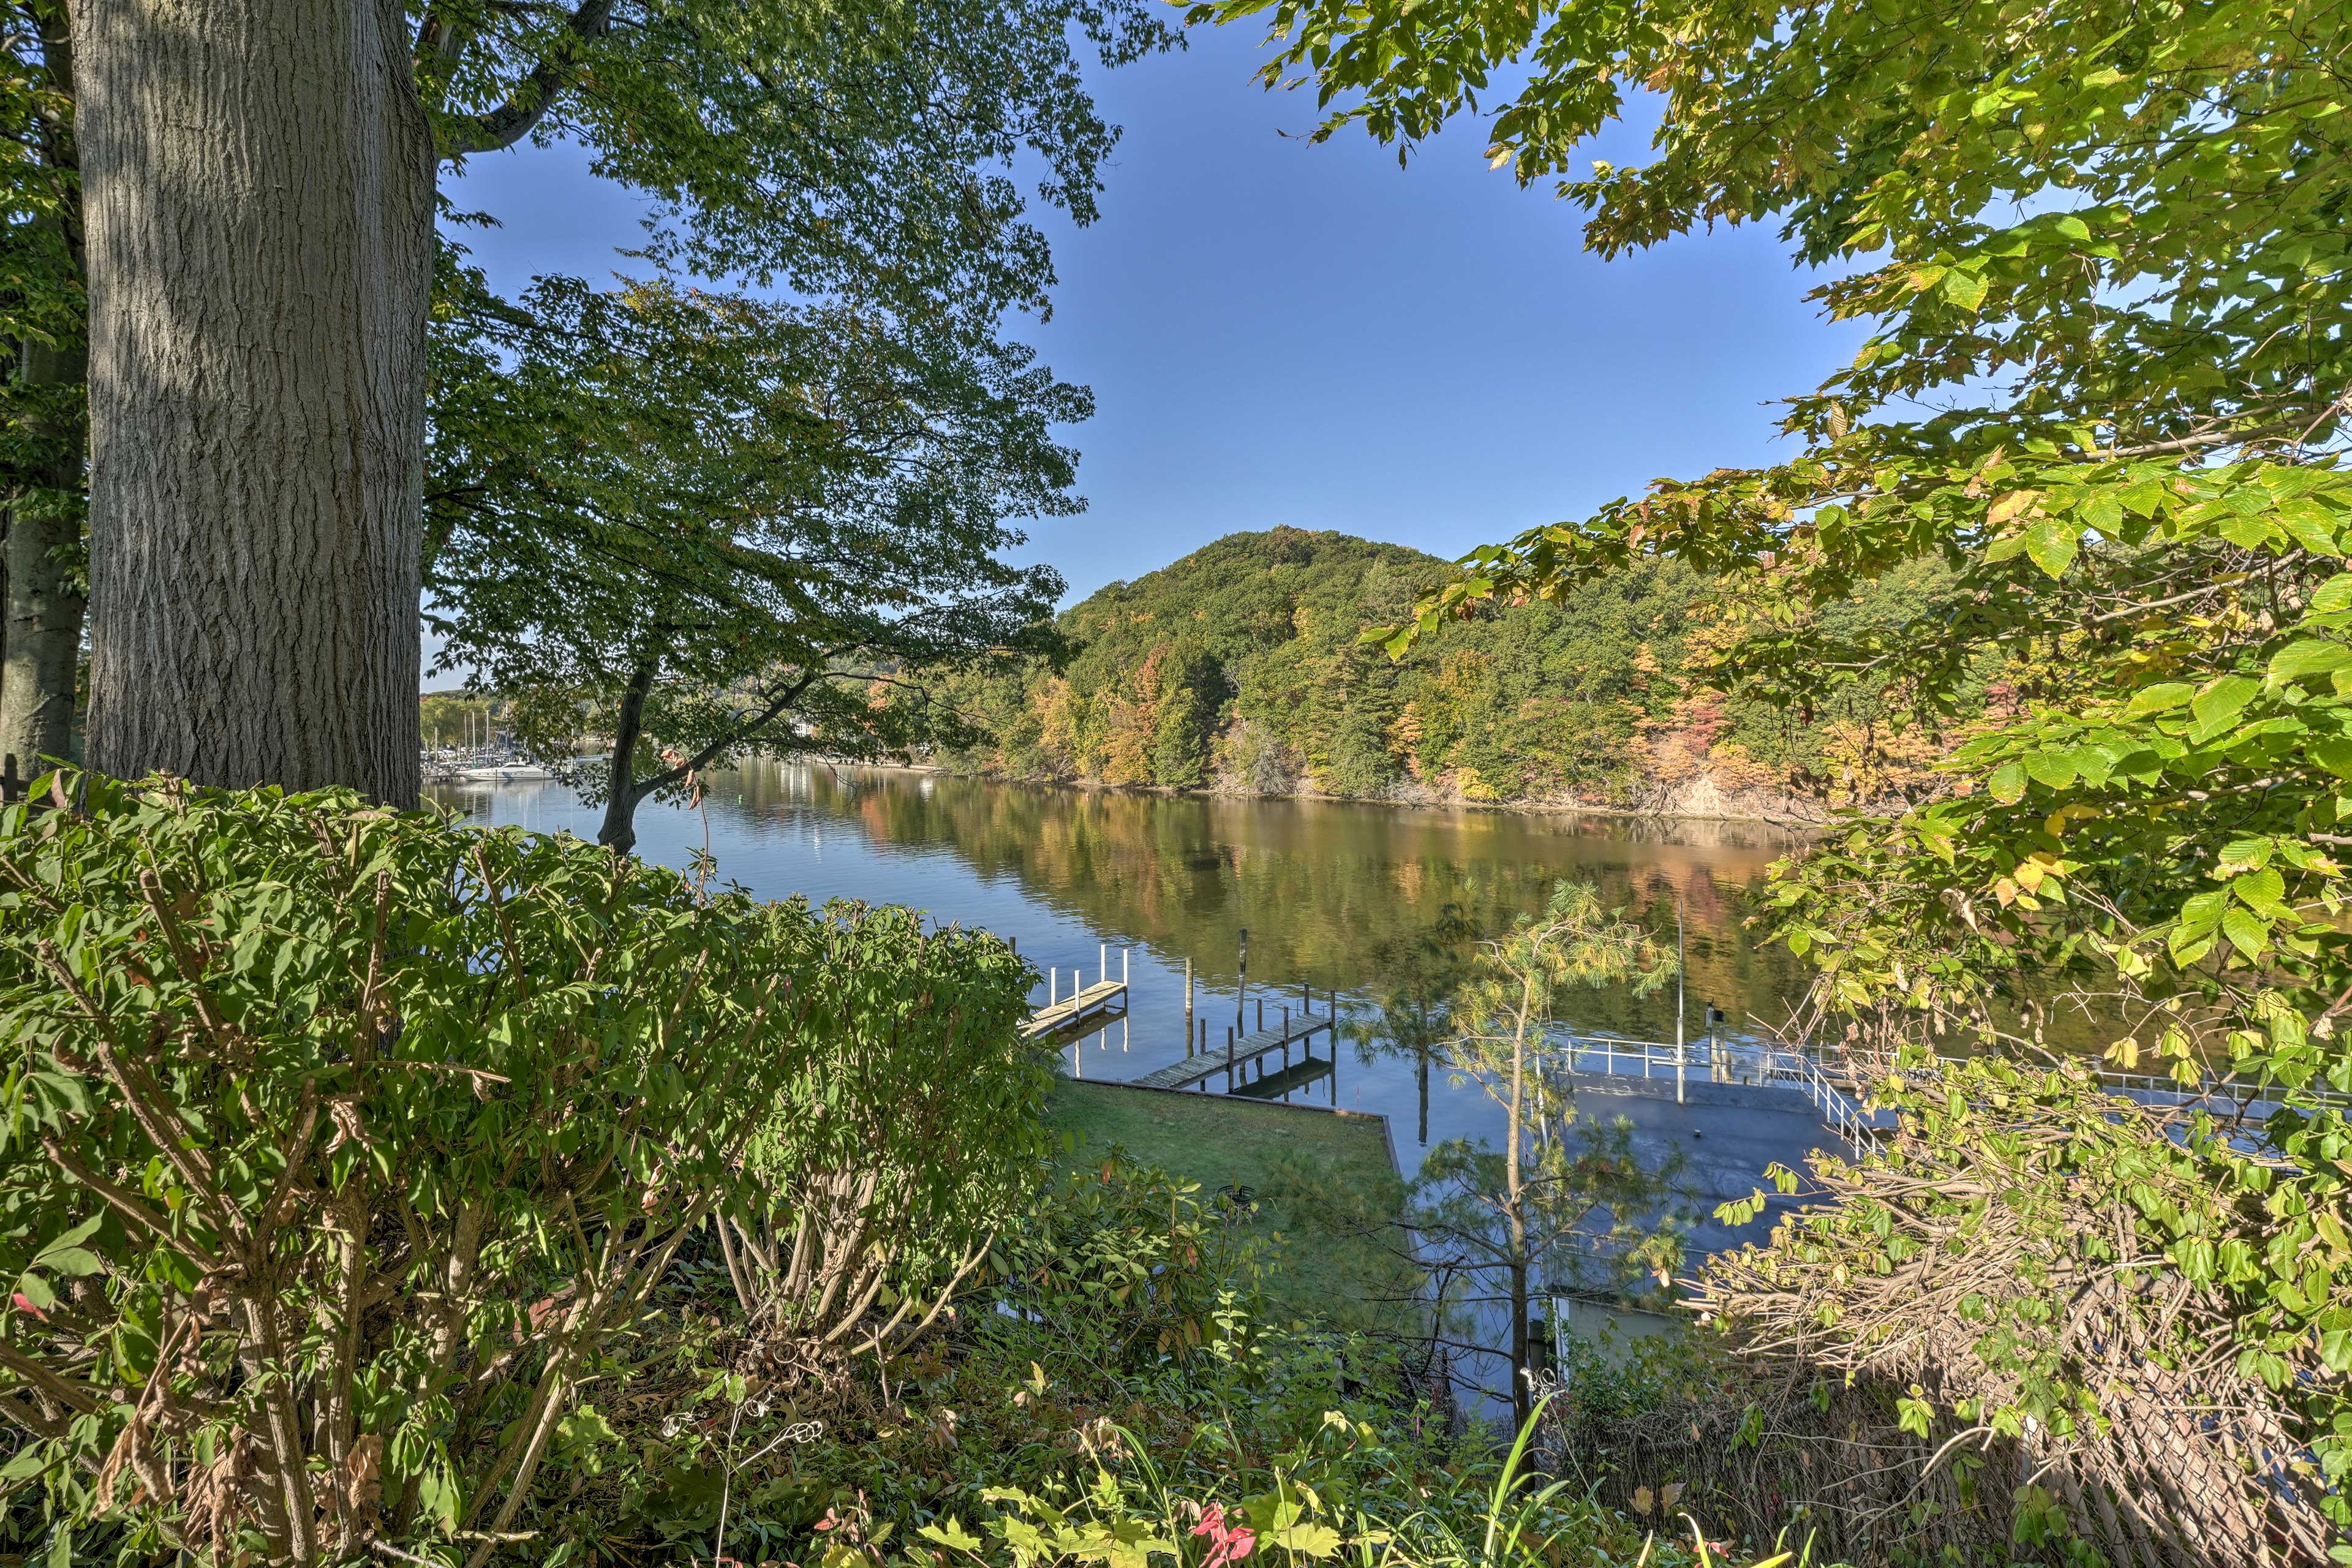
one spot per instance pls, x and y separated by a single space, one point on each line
2009 506
2124 1053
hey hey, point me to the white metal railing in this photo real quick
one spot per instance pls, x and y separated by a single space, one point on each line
1844 1118
1720 1061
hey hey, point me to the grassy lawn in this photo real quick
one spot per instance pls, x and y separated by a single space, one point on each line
1324 1184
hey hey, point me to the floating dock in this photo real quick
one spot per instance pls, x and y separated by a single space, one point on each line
1243 1052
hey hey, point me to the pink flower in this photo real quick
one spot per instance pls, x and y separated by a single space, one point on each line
1227 1543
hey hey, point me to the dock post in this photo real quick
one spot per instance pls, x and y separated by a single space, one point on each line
1305 997
1240 997
1261 1015
1053 985
1104 977
1229 1062
1285 1037
1188 1006
1122 964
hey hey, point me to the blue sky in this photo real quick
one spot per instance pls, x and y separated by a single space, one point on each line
1277 332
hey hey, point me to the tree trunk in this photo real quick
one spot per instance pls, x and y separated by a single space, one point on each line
258 192
41 601
40 604
1514 1205
619 832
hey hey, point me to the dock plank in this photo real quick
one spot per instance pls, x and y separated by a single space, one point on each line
1197 1068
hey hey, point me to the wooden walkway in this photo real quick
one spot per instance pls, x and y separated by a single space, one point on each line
1102 996
1196 1070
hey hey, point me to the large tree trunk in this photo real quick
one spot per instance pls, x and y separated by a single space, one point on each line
41 604
257 188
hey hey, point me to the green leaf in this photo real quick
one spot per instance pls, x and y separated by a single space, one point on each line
2221 700
2159 699
1966 290
2007 783
950 1533
1307 1539
2247 932
2261 892
2308 656
2055 768
2332 753
2053 543
2334 597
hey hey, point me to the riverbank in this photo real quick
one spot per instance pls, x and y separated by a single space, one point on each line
1792 815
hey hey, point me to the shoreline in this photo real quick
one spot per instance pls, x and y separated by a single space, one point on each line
1794 826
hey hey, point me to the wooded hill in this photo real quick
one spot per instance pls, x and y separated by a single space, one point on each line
1239 668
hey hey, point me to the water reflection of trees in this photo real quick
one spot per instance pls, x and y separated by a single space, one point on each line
1332 892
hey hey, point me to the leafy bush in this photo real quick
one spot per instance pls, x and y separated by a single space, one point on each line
903 1138
1123 1267
1064 1415
338 1143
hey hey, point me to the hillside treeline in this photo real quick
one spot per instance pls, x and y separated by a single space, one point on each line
1240 669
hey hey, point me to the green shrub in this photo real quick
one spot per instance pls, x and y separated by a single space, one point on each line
336 1143
906 1135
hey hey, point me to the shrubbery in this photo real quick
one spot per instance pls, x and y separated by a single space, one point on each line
337 1142
375 1189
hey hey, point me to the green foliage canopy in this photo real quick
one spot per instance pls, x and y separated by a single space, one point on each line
2102 246
700 522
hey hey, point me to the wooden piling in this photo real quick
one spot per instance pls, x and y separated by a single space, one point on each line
1188 1006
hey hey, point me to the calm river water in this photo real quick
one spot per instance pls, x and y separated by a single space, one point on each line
1329 893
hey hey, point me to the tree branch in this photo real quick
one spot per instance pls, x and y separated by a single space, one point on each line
528 104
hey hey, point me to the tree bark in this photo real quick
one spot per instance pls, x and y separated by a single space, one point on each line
41 607
619 832
258 192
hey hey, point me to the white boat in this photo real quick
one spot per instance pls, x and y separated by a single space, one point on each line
505 772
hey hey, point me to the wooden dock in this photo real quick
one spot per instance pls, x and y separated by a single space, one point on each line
1082 1003
1090 1002
1239 1056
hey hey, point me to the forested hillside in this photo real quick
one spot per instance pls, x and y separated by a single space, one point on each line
1240 669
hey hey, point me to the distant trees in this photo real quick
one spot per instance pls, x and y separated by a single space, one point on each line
700 523
1244 666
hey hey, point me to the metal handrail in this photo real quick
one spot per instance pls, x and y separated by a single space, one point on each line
1802 1069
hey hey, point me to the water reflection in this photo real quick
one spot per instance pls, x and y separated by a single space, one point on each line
1337 896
